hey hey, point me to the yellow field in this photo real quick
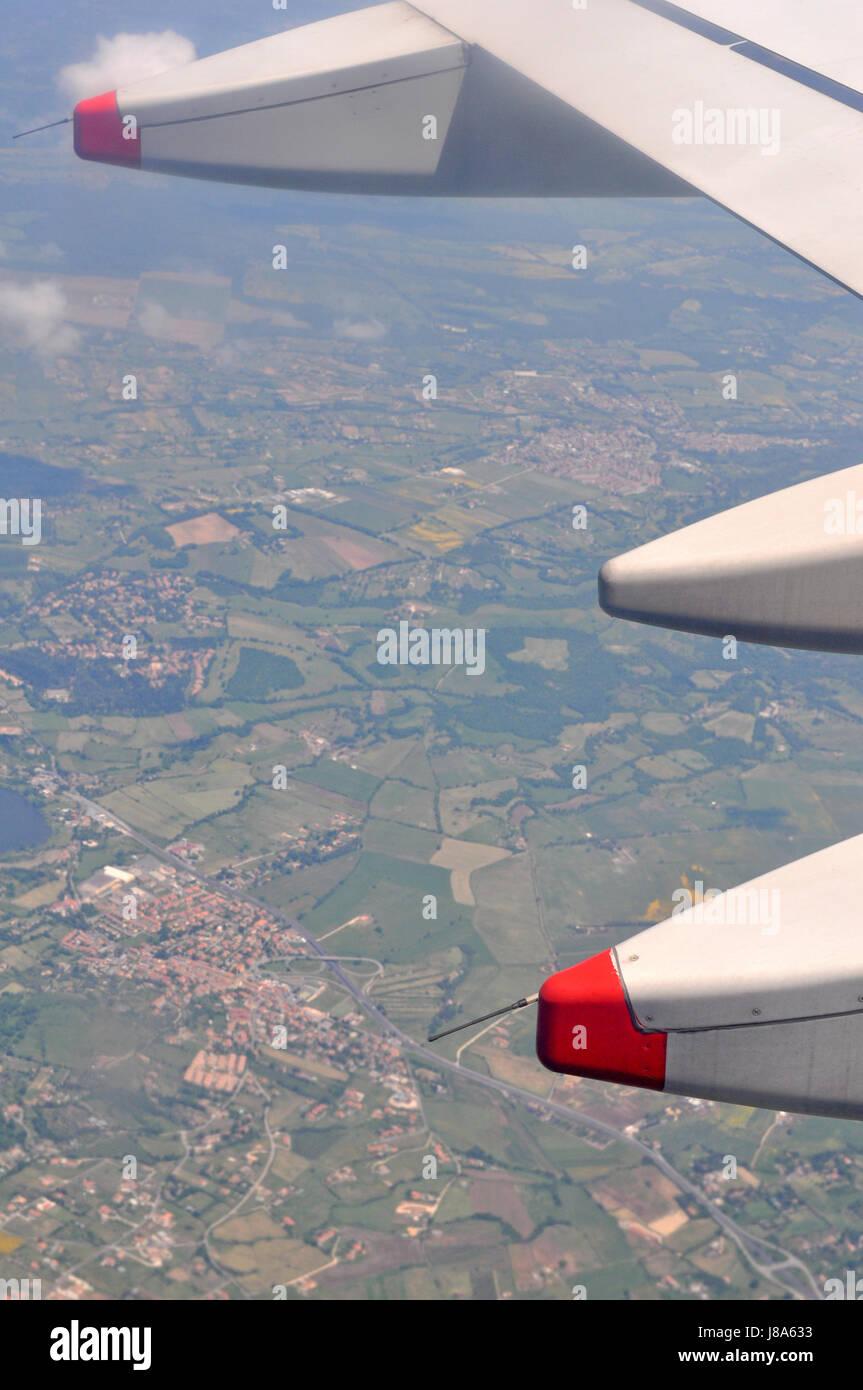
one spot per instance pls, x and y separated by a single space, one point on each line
439 536
462 858
278 1054
202 530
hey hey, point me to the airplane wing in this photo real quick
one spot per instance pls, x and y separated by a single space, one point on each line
758 104
783 570
733 997
764 115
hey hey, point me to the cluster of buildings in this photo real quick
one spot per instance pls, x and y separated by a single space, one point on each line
158 927
216 1071
97 612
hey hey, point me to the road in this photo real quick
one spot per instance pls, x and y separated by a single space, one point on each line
753 1248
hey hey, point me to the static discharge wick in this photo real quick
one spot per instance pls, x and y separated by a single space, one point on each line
50 126
507 1009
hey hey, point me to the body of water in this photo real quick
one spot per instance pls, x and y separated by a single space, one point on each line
22 825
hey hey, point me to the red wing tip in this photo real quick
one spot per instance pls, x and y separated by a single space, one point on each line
102 133
585 1027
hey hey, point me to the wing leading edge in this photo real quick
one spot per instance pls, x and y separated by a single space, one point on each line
525 99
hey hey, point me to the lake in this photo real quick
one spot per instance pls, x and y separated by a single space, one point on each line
22 824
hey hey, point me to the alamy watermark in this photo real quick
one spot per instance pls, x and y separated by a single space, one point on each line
21 516
433 646
20 1290
754 907
77 1343
735 125
843 516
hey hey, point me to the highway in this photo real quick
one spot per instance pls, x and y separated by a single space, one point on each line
798 1280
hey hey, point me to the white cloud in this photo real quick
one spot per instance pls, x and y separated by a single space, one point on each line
125 59
48 251
33 317
155 321
363 330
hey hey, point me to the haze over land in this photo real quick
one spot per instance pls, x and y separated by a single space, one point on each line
297 1159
